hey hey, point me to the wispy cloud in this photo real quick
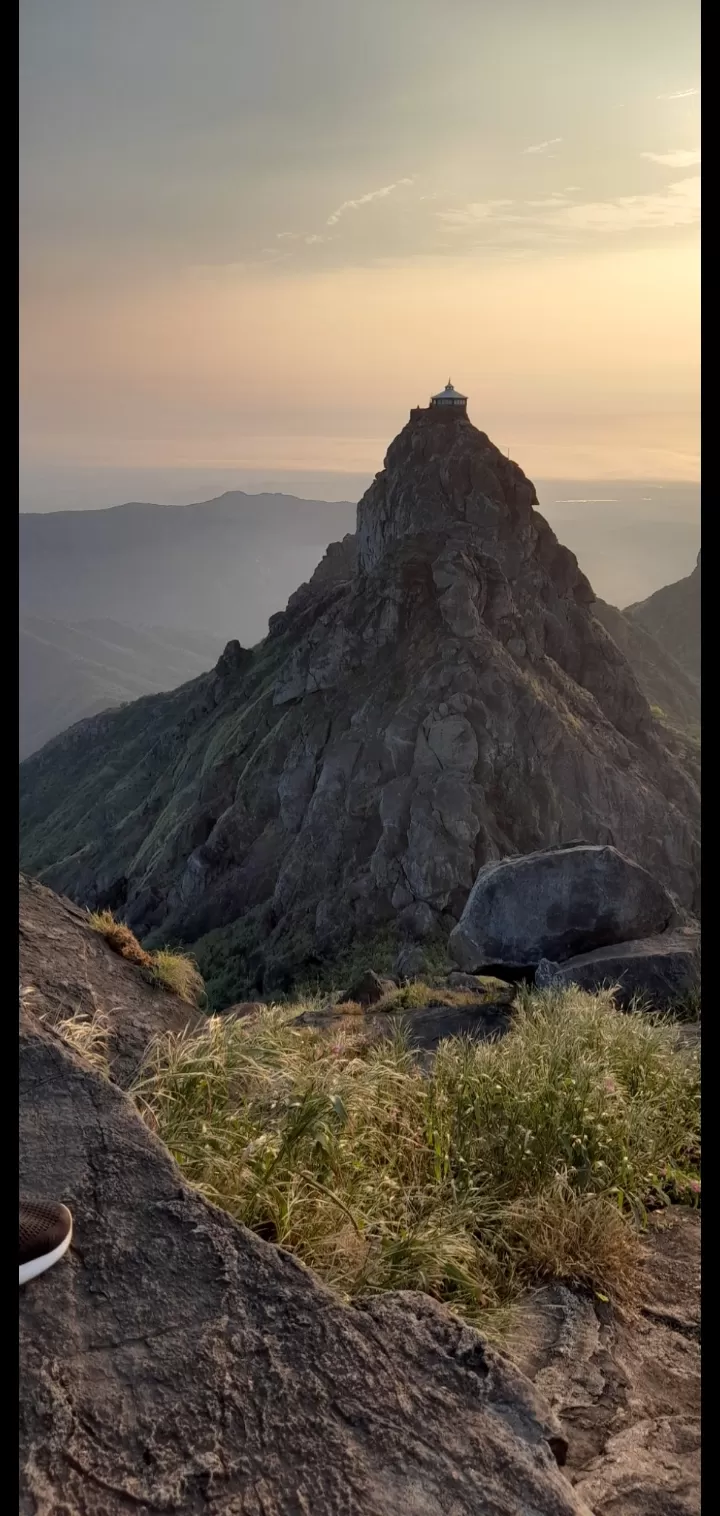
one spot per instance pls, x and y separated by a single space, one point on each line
676 205
557 220
478 210
308 237
353 205
679 158
542 147
680 94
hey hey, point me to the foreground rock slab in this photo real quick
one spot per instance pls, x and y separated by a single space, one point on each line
175 1363
664 968
556 904
627 1391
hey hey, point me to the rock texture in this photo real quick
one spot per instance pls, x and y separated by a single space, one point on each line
672 692
555 904
627 1390
672 616
440 695
174 1362
67 969
666 968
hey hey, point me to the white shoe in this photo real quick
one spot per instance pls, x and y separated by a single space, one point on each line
45 1234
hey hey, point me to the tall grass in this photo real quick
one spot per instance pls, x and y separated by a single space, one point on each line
526 1159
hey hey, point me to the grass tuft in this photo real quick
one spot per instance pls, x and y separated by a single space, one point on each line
531 1158
120 938
165 967
88 1035
179 973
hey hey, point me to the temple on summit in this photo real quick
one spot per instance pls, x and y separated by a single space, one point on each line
449 397
447 402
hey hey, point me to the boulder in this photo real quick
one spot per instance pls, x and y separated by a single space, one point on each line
175 1362
556 904
368 989
410 963
664 968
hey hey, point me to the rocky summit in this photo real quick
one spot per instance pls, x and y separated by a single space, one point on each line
438 696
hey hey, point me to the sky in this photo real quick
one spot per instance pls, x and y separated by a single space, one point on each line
253 235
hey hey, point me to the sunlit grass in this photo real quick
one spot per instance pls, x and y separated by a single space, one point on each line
507 1163
167 967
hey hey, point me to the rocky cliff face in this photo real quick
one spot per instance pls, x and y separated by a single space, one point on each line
439 695
672 616
674 694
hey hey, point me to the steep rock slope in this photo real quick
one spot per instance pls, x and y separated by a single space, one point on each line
672 615
666 685
440 694
70 670
175 1362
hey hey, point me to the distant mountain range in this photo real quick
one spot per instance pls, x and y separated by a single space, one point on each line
70 670
220 567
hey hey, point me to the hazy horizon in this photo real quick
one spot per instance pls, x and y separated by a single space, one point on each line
254 236
630 537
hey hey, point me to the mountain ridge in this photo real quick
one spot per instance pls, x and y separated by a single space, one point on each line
439 693
72 670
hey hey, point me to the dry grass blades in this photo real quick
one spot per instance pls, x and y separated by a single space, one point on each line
166 967
508 1163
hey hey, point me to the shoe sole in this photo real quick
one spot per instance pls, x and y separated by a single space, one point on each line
39 1265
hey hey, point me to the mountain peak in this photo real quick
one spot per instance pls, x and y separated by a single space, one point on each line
444 477
438 696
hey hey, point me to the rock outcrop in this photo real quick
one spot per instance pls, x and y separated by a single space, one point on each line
439 696
665 968
67 970
627 1389
557 904
175 1362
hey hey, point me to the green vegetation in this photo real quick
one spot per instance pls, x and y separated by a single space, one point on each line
224 957
179 973
417 994
166 967
506 1164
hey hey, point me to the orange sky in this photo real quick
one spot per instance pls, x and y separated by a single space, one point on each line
264 266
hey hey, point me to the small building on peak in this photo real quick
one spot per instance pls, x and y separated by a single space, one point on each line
449 397
448 402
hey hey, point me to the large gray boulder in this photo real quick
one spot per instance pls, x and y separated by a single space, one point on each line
665 968
556 904
174 1362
